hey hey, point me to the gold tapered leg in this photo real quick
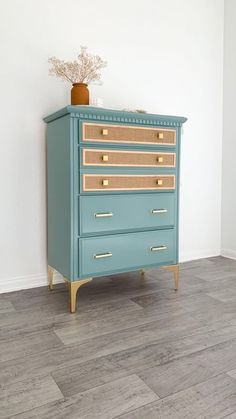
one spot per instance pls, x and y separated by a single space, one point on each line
73 288
175 270
50 277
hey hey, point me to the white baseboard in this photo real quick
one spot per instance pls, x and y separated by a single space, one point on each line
188 256
228 253
28 281
39 280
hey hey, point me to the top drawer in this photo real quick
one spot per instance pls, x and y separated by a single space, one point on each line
128 134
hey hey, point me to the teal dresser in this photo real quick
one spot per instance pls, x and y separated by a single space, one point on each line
112 185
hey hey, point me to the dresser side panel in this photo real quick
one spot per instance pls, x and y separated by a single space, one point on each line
178 155
59 189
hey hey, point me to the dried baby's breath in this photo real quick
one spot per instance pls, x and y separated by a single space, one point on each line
86 69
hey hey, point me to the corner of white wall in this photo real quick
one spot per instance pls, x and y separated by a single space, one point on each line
183 55
228 226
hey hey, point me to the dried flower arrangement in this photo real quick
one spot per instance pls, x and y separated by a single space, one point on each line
86 69
81 72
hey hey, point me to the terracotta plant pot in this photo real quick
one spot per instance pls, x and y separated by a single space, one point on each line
79 94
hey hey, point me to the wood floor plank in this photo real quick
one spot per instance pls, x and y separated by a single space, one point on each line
103 402
218 273
32 299
172 345
6 306
225 295
163 328
232 373
187 371
190 303
29 344
207 287
28 321
26 395
78 378
83 376
165 331
77 332
212 399
221 261
210 315
159 353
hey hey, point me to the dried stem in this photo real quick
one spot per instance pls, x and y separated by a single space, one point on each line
86 69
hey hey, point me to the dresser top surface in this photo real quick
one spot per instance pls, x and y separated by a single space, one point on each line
112 115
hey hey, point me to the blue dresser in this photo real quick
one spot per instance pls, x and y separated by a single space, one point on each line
112 190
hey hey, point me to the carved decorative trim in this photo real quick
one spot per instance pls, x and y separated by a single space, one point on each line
108 115
127 120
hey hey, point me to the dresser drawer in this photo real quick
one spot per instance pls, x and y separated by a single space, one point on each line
107 182
126 212
99 255
127 158
128 134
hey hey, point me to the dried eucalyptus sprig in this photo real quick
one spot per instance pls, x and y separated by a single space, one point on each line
86 69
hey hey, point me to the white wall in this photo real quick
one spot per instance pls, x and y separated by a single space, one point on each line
229 134
164 56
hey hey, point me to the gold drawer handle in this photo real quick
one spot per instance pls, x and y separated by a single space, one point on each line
105 182
159 182
159 211
102 255
160 135
158 248
103 214
160 159
104 131
105 157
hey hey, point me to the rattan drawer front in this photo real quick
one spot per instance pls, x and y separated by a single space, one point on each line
127 158
127 182
125 134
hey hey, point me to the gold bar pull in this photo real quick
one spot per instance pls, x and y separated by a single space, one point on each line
103 214
158 248
159 182
160 135
102 255
104 131
104 157
159 211
105 182
160 159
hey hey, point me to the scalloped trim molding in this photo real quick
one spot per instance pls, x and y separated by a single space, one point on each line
116 116
130 120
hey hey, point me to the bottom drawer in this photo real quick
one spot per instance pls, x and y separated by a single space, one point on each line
101 255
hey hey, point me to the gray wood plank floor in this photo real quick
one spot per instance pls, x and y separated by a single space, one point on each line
134 350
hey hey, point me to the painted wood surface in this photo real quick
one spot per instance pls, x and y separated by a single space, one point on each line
59 192
155 211
71 208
